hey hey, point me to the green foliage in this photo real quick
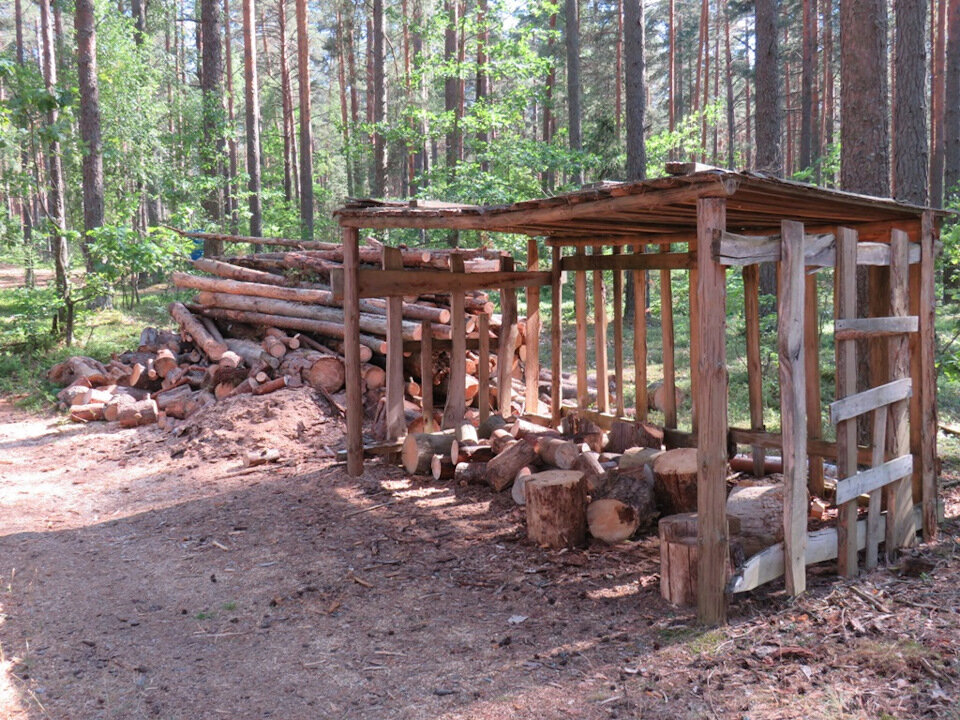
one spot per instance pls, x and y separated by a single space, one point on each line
25 318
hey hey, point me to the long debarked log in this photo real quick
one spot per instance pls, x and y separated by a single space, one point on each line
201 337
235 272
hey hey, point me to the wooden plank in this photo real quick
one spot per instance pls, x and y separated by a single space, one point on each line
811 358
793 396
928 380
858 404
600 337
426 378
712 531
508 342
901 531
471 343
483 366
694 350
455 408
733 250
669 358
531 370
815 448
873 511
386 283
580 306
751 301
351 352
556 336
396 425
845 306
633 261
857 328
613 239
866 481
639 278
618 333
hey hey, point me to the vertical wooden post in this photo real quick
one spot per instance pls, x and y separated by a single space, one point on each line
532 366
618 334
507 343
793 396
351 350
694 309
556 337
712 436
426 375
580 305
901 528
640 338
669 361
483 366
879 444
600 336
811 340
456 406
845 306
396 424
751 302
928 380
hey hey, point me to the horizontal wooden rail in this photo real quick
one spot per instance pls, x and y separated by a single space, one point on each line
868 480
863 402
815 447
438 344
391 283
631 261
819 250
857 328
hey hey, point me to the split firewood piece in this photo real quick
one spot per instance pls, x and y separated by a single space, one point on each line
638 457
261 457
499 439
556 508
87 413
142 412
474 453
201 337
502 470
759 508
675 473
624 435
518 490
611 521
466 433
557 452
111 411
164 362
589 464
441 467
172 395
679 556
470 473
418 450
230 360
635 490
76 394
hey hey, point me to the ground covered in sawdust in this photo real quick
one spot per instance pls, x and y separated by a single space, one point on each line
146 574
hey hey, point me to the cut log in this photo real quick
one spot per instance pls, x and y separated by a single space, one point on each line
164 362
589 464
326 372
441 467
201 338
274 346
143 412
373 375
611 521
675 473
557 452
499 439
111 411
172 395
234 272
261 457
637 457
473 453
76 394
657 396
466 433
264 388
470 473
487 427
679 555
502 470
87 413
518 490
634 488
625 435
152 339
556 508
418 450
252 353
759 508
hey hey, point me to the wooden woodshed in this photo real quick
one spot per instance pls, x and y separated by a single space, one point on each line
723 222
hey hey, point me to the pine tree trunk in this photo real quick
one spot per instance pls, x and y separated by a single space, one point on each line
286 100
379 102
231 206
636 93
938 12
306 134
26 200
951 106
728 81
252 101
572 36
909 104
768 114
618 83
450 83
85 25
138 8
483 81
549 178
211 86
806 86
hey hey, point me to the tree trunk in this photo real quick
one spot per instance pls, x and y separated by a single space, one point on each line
138 8
344 103
483 82
618 75
635 94
306 134
937 63
909 104
252 117
286 100
768 113
26 200
451 84
231 196
211 86
379 102
85 25
728 82
556 503
951 108
806 85
572 36
549 178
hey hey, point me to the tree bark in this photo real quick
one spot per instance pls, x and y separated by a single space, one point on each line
451 84
252 117
937 87
806 85
768 113
635 92
572 36
85 26
230 199
211 86
379 102
909 104
26 199
951 109
286 100
306 134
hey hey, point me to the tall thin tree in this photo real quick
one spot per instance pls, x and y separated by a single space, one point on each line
938 44
768 113
211 86
572 36
379 101
93 198
306 133
806 84
251 97
909 103
951 106
26 200
636 93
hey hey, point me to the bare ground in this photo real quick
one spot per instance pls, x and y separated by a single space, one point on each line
146 575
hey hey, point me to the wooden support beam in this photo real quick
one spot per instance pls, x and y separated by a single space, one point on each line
815 448
851 488
811 359
351 352
600 336
751 302
928 379
845 306
639 279
387 283
455 407
426 378
396 425
793 397
852 406
508 342
712 531
531 371
483 366
667 344
556 336
693 303
580 306
901 531
633 261
732 249
874 478
618 333
471 343
875 327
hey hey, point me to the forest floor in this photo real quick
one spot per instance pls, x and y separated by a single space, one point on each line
146 574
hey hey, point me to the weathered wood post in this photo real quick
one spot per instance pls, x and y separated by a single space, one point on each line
556 336
712 533
396 424
845 306
531 368
507 342
456 405
640 337
928 379
580 305
351 350
600 335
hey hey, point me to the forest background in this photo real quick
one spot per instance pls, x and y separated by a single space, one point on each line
254 117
